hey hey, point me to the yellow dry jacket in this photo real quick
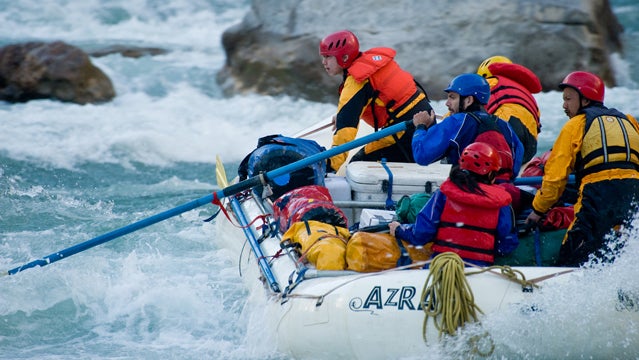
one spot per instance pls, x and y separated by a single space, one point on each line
608 149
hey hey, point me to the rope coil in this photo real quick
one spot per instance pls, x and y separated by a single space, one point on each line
447 297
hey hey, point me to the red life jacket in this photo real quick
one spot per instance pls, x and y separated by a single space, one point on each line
311 202
515 85
393 86
488 132
535 166
468 222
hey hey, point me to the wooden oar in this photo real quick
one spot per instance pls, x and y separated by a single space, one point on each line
325 126
330 123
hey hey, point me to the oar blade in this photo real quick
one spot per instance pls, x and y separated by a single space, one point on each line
220 173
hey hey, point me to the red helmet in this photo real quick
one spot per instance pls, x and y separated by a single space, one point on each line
480 158
339 44
587 84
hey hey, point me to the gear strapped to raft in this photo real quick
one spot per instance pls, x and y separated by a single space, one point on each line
310 202
275 151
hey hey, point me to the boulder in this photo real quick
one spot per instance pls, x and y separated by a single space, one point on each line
39 70
274 50
129 51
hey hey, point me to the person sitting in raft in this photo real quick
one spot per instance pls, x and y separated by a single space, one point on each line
466 123
467 120
601 145
375 89
511 98
468 214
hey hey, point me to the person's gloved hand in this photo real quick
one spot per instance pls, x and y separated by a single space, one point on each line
533 218
426 118
392 226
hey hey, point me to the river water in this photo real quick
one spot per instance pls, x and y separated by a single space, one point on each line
69 173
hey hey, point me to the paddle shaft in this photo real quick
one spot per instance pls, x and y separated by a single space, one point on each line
219 194
536 180
223 193
59 255
325 126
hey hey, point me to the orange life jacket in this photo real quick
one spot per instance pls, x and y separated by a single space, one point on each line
393 87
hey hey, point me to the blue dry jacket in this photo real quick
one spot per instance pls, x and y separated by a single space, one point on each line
427 222
450 136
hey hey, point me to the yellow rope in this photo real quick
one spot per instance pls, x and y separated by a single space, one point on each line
447 296
507 272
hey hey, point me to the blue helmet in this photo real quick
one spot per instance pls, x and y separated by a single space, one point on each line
470 85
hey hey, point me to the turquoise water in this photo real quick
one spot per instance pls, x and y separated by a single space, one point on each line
69 173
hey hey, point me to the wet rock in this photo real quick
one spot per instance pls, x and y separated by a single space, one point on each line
128 51
274 50
56 70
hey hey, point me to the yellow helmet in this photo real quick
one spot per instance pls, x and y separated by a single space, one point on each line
483 67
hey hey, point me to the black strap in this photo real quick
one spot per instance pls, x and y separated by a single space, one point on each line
403 106
308 227
463 247
373 100
404 258
469 227
607 166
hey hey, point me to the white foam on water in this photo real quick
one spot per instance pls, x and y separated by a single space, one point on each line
168 291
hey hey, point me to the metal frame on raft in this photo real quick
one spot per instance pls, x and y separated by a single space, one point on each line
302 272
255 246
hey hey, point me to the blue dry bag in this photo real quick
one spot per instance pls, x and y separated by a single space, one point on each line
275 151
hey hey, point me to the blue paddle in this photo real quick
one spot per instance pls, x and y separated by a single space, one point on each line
249 183
536 180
